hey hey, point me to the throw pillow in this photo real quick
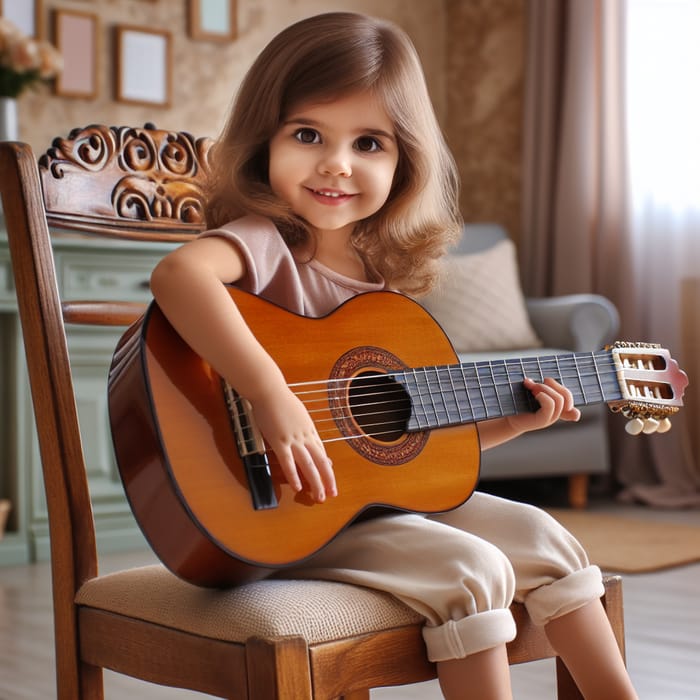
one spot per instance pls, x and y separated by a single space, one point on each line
479 302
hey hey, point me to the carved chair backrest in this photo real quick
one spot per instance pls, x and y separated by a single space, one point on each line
127 182
138 183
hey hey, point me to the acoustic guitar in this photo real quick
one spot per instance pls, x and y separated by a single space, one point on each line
394 407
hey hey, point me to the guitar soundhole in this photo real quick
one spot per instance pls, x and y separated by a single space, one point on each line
380 406
371 409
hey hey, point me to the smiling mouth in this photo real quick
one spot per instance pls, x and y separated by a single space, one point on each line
335 195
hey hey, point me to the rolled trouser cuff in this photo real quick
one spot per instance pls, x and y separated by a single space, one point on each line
456 639
564 595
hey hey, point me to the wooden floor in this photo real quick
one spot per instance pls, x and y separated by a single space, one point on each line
662 614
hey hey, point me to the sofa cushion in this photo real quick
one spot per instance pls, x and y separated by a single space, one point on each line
479 302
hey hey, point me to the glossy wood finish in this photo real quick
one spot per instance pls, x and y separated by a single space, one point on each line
101 313
126 181
88 639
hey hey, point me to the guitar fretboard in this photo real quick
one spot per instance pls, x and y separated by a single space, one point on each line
473 391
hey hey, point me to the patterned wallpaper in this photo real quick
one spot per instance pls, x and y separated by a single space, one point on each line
485 72
471 51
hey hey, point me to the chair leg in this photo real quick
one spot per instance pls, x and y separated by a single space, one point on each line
356 695
614 608
578 491
278 669
91 682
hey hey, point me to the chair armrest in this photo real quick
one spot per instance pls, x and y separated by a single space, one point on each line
576 322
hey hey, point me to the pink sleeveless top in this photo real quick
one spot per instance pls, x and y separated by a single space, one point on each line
308 288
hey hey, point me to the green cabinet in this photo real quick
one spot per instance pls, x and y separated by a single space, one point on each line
86 268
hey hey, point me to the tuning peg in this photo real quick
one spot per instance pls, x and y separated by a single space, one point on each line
635 426
664 426
651 425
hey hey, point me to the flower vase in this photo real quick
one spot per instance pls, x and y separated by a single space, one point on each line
9 122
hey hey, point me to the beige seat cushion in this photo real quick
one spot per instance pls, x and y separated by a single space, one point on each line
319 611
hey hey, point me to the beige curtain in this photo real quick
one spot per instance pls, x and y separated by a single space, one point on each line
576 234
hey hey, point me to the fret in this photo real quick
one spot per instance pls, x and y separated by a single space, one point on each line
454 393
531 368
471 412
434 414
443 398
593 385
548 368
559 376
420 410
495 385
425 397
588 386
504 404
597 376
580 381
459 393
524 401
474 392
487 389
611 387
569 380
511 388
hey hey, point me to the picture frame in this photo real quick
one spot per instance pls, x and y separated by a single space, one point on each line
213 20
143 65
77 39
26 14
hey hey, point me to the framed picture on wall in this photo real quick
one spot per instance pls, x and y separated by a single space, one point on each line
77 36
143 65
212 20
26 14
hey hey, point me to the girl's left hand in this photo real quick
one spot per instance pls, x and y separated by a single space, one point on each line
556 403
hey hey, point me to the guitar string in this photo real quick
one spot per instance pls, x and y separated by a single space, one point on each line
490 400
471 374
472 381
502 367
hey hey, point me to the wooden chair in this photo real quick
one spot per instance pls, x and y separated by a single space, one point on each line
270 639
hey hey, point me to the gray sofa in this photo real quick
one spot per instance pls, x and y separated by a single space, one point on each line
573 323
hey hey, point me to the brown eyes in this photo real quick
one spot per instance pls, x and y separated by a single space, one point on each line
364 144
306 135
367 144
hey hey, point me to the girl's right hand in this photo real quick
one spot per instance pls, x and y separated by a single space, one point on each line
188 285
291 434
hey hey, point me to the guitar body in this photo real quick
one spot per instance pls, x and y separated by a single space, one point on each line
181 465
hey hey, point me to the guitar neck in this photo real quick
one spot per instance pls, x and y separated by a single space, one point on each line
474 391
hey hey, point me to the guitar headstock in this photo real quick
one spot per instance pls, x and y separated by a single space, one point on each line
652 386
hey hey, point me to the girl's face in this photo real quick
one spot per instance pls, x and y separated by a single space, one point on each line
334 162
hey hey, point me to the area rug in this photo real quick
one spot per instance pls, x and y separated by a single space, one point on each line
631 545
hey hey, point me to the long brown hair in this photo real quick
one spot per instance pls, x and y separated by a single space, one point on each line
321 58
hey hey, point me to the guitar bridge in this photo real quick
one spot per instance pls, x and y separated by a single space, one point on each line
251 449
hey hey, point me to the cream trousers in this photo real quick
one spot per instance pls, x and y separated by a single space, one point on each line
461 570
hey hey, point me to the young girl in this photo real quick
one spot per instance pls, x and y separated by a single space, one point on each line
332 178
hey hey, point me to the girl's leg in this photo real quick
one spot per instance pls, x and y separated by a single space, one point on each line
559 587
481 676
462 585
542 552
586 643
